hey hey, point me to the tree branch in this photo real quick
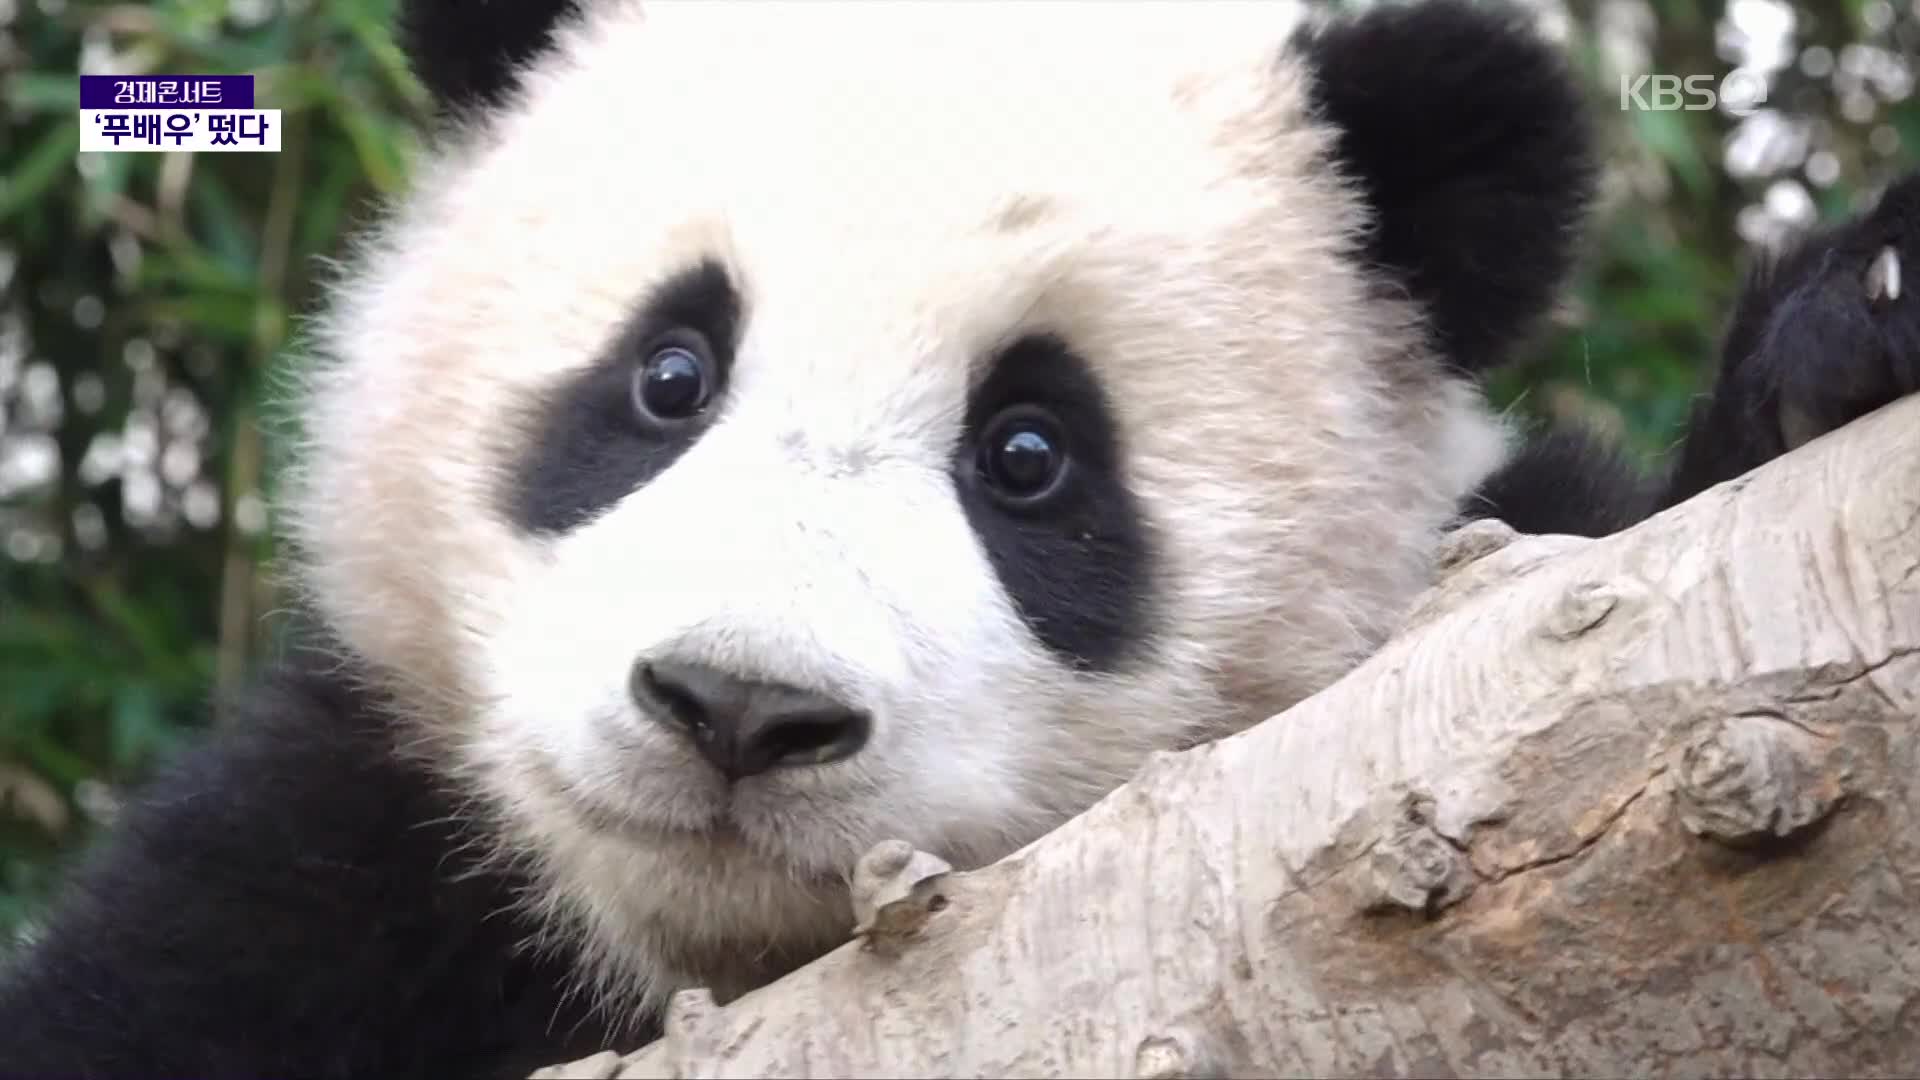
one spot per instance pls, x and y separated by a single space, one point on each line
1641 804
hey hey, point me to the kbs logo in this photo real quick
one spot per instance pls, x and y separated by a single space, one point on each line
1741 93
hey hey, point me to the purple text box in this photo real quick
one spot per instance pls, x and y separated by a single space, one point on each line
166 91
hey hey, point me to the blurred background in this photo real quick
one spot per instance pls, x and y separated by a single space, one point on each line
147 303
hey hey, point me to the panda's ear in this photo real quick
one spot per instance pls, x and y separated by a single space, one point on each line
468 52
1469 136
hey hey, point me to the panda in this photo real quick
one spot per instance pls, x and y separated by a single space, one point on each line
768 429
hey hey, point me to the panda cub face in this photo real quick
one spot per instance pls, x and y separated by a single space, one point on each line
775 429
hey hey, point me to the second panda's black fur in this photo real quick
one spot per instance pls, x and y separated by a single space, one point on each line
297 897
1804 337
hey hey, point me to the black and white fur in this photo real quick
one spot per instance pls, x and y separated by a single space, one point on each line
602 702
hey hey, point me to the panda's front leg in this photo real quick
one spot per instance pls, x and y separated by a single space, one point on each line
1823 333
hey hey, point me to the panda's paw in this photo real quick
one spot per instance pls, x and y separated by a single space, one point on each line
1830 330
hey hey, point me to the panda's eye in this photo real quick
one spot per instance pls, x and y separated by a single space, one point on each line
675 381
1023 455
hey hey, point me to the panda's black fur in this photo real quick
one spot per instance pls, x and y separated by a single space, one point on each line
1804 336
293 900
299 895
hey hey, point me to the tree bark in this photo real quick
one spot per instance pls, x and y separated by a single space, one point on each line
1640 805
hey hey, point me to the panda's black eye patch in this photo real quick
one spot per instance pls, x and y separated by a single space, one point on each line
606 430
1040 474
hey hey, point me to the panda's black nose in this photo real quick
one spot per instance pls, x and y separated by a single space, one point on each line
747 728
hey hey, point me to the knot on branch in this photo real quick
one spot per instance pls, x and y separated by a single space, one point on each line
1581 608
1414 867
1479 556
1753 777
1471 542
1180 1055
896 889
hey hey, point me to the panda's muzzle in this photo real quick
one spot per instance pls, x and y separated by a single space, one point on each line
744 727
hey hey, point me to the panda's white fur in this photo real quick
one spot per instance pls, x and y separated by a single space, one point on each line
897 188
1248 272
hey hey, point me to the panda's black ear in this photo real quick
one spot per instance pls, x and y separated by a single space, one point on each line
1468 132
468 52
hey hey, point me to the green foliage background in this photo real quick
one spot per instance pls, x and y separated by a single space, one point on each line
147 302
